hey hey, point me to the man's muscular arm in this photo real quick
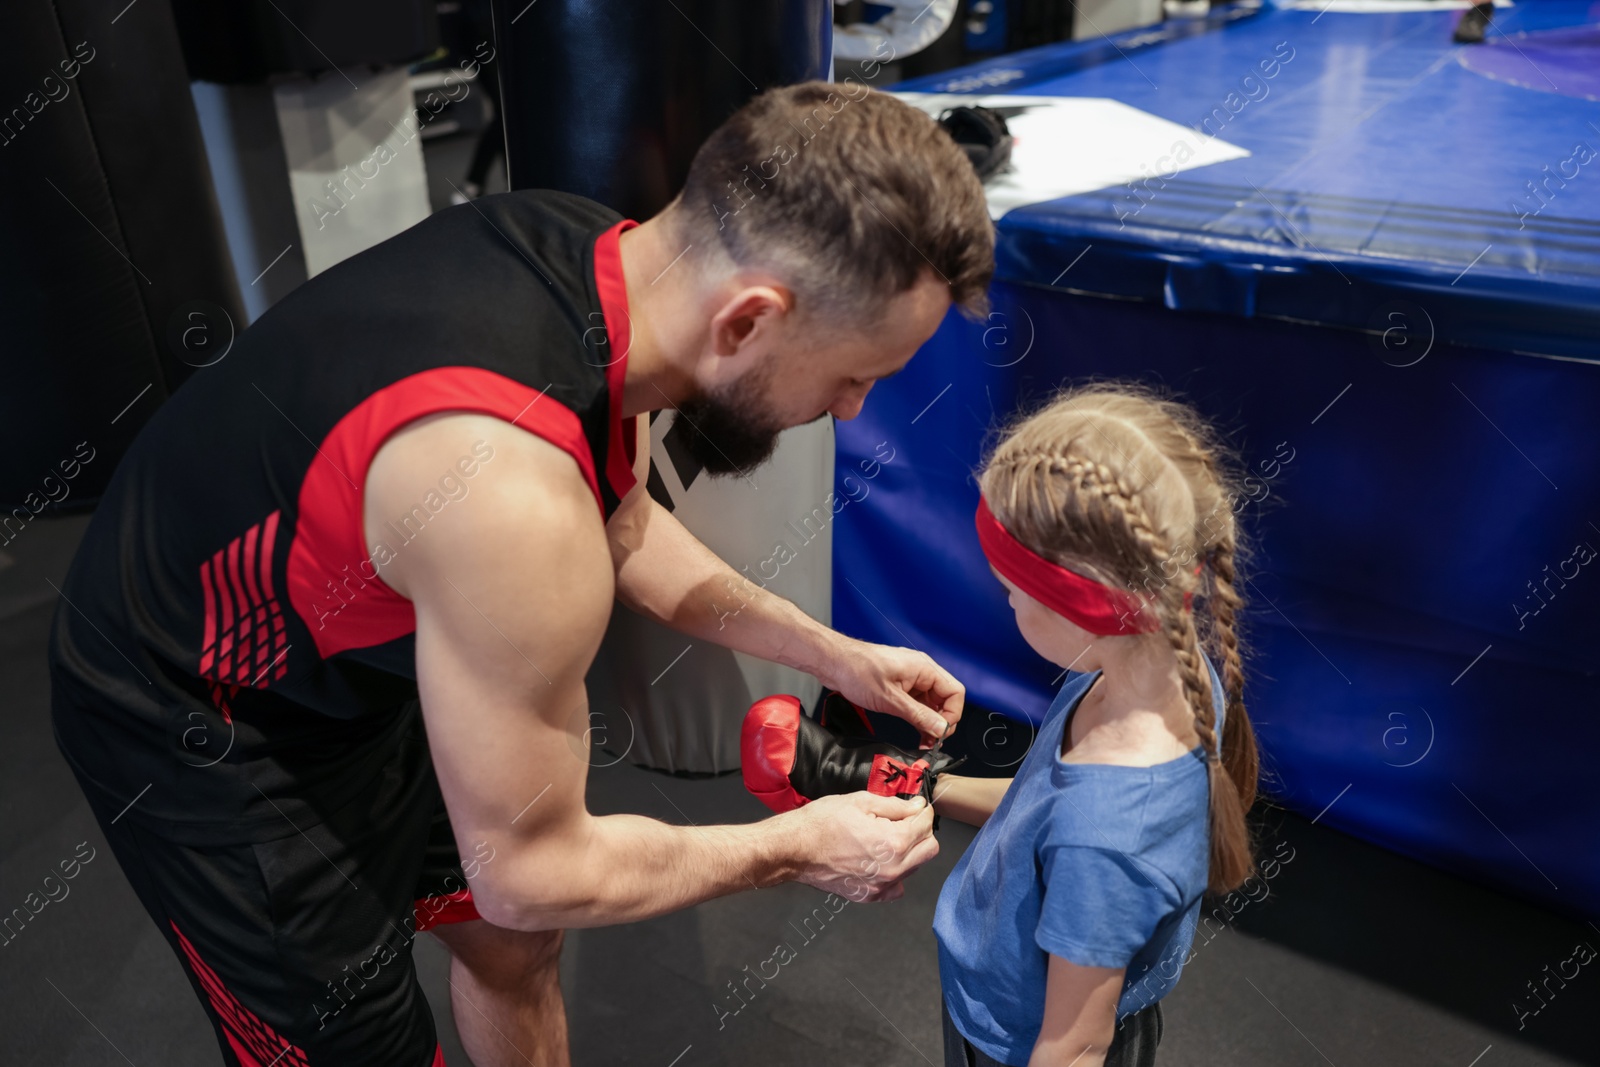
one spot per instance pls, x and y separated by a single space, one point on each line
512 587
666 574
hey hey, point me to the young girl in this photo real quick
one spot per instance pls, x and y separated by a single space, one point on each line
1109 520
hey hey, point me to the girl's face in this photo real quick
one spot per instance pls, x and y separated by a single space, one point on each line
1057 639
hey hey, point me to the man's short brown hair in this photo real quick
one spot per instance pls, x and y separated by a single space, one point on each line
845 192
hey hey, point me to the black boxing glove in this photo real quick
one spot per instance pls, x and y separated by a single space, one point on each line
983 135
789 759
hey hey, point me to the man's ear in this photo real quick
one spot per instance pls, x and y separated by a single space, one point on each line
749 316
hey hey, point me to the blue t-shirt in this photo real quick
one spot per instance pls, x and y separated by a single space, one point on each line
1101 865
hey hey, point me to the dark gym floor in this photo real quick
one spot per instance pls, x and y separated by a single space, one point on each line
1357 957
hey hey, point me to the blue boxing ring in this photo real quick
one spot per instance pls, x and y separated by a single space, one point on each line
1392 305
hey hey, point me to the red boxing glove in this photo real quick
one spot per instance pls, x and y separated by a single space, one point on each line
789 759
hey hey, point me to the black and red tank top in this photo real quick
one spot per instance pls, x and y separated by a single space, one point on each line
224 658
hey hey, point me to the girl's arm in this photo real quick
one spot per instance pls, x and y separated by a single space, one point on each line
968 800
1080 1014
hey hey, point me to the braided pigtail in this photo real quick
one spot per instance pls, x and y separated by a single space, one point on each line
1231 860
1240 764
1239 750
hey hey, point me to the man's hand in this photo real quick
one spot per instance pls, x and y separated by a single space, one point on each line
860 846
899 681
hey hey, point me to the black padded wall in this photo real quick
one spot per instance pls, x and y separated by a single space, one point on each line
115 283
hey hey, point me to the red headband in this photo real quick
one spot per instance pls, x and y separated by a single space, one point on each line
1083 601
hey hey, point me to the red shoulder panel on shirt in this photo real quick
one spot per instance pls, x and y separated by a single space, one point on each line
332 579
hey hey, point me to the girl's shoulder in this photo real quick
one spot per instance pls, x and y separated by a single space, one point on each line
1098 805
1127 808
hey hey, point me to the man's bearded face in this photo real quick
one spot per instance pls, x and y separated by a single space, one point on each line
733 429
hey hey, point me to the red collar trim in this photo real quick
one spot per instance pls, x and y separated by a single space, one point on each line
1083 601
613 290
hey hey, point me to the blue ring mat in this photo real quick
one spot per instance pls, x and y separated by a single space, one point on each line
1382 168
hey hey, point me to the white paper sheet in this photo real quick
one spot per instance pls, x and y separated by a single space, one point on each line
1066 145
1381 7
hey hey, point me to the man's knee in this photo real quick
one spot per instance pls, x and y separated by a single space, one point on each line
540 950
504 958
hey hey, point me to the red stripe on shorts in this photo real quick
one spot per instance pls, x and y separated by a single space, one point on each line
254 1042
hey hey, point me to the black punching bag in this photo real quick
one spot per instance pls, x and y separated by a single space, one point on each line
610 98
115 281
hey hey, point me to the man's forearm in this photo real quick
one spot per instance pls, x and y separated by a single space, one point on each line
666 574
625 868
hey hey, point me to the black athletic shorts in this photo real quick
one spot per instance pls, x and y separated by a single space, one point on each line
300 947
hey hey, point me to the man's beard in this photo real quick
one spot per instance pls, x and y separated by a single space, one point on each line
731 430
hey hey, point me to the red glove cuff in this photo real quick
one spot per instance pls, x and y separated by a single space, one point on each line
767 744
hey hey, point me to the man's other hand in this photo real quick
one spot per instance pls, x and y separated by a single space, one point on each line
898 681
860 846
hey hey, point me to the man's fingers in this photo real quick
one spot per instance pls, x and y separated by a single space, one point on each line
924 850
918 847
944 728
892 891
950 701
916 828
940 689
922 822
948 693
891 807
937 690
929 723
